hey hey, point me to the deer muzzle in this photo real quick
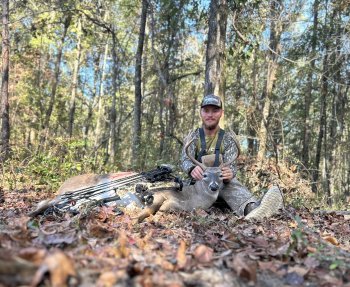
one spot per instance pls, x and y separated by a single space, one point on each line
213 186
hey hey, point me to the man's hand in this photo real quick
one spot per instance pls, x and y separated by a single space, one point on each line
227 173
197 173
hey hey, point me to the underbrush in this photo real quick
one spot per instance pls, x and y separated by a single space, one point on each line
46 170
291 179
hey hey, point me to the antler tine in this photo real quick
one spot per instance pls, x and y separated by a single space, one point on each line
234 137
196 162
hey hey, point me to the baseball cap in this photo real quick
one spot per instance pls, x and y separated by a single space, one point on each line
211 100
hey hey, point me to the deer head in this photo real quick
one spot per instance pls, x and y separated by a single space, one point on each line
212 176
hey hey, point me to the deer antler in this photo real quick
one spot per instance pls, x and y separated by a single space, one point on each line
234 137
196 162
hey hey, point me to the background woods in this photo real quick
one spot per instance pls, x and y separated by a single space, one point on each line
98 85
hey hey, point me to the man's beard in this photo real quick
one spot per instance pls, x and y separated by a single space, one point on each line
212 126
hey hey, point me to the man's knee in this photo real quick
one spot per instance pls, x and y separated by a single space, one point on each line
237 196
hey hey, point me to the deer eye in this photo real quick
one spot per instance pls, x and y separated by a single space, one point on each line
205 175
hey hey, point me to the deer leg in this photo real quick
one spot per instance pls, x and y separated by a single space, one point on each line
42 206
155 206
171 205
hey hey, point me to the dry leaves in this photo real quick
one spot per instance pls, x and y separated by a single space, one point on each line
60 268
181 258
203 248
243 268
331 239
203 254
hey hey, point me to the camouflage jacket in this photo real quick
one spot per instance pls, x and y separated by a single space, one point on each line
230 151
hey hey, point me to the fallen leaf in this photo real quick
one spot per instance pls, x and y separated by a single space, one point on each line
243 269
203 254
33 255
299 270
259 241
107 279
293 168
268 265
15 271
163 263
331 281
59 238
105 212
60 267
331 240
110 278
123 244
224 254
181 255
311 249
201 212
311 262
99 230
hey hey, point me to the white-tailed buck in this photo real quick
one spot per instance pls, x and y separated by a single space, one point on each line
201 195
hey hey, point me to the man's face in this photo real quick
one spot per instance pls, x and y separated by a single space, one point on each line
211 116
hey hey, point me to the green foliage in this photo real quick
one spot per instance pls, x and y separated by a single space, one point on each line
46 169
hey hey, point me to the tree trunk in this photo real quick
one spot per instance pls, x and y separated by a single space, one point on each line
336 121
74 81
322 141
100 101
5 107
251 119
138 88
113 111
215 54
55 80
323 121
308 94
163 78
272 65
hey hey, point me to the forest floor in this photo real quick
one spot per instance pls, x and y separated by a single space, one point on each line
298 247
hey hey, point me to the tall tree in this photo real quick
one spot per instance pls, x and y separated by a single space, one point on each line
100 101
272 65
76 64
138 88
66 23
5 108
215 54
113 111
308 95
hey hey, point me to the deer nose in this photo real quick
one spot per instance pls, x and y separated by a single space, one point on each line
213 186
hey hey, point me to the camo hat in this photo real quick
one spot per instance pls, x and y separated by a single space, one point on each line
211 100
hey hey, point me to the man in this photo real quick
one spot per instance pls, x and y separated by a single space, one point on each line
212 142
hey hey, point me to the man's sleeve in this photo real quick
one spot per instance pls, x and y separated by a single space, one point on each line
186 164
231 150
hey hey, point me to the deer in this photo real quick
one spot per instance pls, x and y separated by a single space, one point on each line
201 195
76 183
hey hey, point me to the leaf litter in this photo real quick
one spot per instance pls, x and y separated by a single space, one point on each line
199 248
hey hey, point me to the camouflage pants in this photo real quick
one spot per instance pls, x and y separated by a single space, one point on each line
237 196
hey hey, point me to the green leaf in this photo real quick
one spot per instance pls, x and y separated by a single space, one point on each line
333 266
